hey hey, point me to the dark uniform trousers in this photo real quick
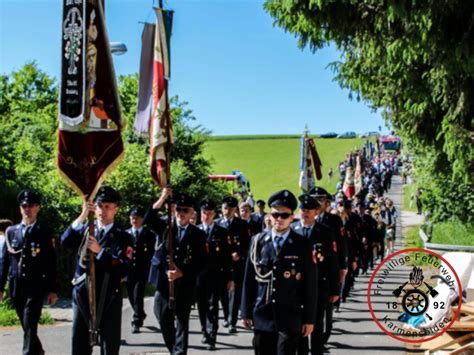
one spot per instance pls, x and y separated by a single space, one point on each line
110 333
213 279
190 257
143 249
279 293
30 266
324 247
239 240
112 265
271 343
352 228
176 334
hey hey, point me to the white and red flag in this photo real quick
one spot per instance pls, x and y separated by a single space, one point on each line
156 61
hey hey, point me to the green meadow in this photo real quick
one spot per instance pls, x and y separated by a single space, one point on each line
271 163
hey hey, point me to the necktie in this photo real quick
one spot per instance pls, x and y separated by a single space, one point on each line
306 231
277 243
101 235
181 231
136 235
208 231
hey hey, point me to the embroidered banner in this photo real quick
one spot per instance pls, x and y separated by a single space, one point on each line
90 142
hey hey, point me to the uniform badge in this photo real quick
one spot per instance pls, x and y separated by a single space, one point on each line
293 272
217 248
298 276
334 247
315 260
146 249
129 252
287 274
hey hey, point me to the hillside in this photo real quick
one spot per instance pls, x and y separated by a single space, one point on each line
272 163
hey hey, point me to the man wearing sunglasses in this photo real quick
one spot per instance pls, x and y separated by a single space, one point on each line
279 294
190 258
324 250
30 264
238 236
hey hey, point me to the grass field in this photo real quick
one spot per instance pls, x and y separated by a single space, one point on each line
271 164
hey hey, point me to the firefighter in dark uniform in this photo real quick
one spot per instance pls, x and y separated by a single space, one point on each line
113 251
30 266
215 276
335 223
352 228
280 284
190 258
259 215
239 239
369 231
246 215
143 248
324 249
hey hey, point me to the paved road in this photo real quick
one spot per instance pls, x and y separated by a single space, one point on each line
354 329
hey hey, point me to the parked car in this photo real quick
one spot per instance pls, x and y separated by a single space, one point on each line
328 135
370 134
347 135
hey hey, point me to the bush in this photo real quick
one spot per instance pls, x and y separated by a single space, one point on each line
454 233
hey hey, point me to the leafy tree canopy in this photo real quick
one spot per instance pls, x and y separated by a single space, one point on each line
412 59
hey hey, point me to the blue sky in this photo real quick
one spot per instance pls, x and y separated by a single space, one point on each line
239 74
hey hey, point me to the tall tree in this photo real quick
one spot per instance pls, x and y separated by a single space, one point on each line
412 59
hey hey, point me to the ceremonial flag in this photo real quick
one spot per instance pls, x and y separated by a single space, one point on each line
145 85
358 175
348 187
315 157
161 136
306 181
90 122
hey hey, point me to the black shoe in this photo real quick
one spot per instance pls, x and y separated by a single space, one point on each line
232 329
135 329
211 347
226 324
204 340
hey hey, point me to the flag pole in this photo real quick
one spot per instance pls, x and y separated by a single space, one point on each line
171 265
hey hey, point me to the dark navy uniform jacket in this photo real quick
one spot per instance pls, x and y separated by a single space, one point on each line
219 257
324 250
238 235
114 259
143 250
189 256
279 291
353 230
335 223
30 263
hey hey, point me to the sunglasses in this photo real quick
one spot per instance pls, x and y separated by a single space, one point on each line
283 215
182 209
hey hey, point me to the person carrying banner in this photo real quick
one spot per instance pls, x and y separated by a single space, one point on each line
113 252
143 248
190 258
280 283
29 263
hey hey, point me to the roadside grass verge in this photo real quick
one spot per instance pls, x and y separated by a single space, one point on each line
408 190
9 318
